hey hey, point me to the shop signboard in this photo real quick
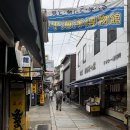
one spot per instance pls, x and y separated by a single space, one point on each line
25 72
17 117
26 61
34 87
42 98
36 72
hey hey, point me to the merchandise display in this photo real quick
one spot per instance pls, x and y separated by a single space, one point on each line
93 104
93 101
118 103
117 98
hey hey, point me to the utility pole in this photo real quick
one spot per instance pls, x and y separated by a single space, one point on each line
128 66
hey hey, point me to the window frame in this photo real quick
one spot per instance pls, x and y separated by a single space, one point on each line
79 56
96 41
110 35
84 54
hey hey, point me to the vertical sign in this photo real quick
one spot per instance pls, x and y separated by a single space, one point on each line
17 120
42 98
34 87
26 61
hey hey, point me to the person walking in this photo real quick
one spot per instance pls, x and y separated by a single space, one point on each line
68 97
47 93
51 95
59 98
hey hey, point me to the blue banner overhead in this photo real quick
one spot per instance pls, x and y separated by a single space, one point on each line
106 15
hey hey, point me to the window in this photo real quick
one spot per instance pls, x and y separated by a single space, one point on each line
84 53
97 42
111 35
79 59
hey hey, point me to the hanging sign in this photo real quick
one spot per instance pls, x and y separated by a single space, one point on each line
26 61
25 72
106 15
34 87
17 120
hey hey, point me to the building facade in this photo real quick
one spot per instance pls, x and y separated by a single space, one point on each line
17 24
101 68
68 71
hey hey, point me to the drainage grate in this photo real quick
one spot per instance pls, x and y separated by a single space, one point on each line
42 127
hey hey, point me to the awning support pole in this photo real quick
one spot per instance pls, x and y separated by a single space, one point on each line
128 65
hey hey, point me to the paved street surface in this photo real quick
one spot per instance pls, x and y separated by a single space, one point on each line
71 117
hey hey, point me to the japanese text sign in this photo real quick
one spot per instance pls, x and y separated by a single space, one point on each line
17 110
106 15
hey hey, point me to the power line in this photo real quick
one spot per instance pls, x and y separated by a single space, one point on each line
73 7
100 40
85 30
78 3
63 38
60 3
52 36
52 46
61 48
81 37
64 43
73 37
61 44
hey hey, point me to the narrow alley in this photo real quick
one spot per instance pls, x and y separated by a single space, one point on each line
71 117
76 51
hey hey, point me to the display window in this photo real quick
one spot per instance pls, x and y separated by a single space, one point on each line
116 97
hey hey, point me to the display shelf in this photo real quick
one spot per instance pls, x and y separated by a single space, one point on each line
93 108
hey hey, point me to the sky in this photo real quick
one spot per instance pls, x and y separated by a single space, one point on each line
61 44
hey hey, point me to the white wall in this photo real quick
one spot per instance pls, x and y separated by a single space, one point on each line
106 52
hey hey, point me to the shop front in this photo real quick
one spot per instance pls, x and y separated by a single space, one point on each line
89 94
106 94
116 99
93 100
75 94
18 115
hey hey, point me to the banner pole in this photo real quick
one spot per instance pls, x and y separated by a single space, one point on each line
128 65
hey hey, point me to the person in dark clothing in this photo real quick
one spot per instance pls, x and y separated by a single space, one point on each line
68 97
64 96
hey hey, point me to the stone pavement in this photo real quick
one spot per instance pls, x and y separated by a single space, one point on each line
40 115
71 117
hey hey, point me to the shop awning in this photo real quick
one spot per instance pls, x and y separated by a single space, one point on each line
21 21
88 82
100 79
15 77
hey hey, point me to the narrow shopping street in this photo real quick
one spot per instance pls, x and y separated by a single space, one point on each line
76 51
72 117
